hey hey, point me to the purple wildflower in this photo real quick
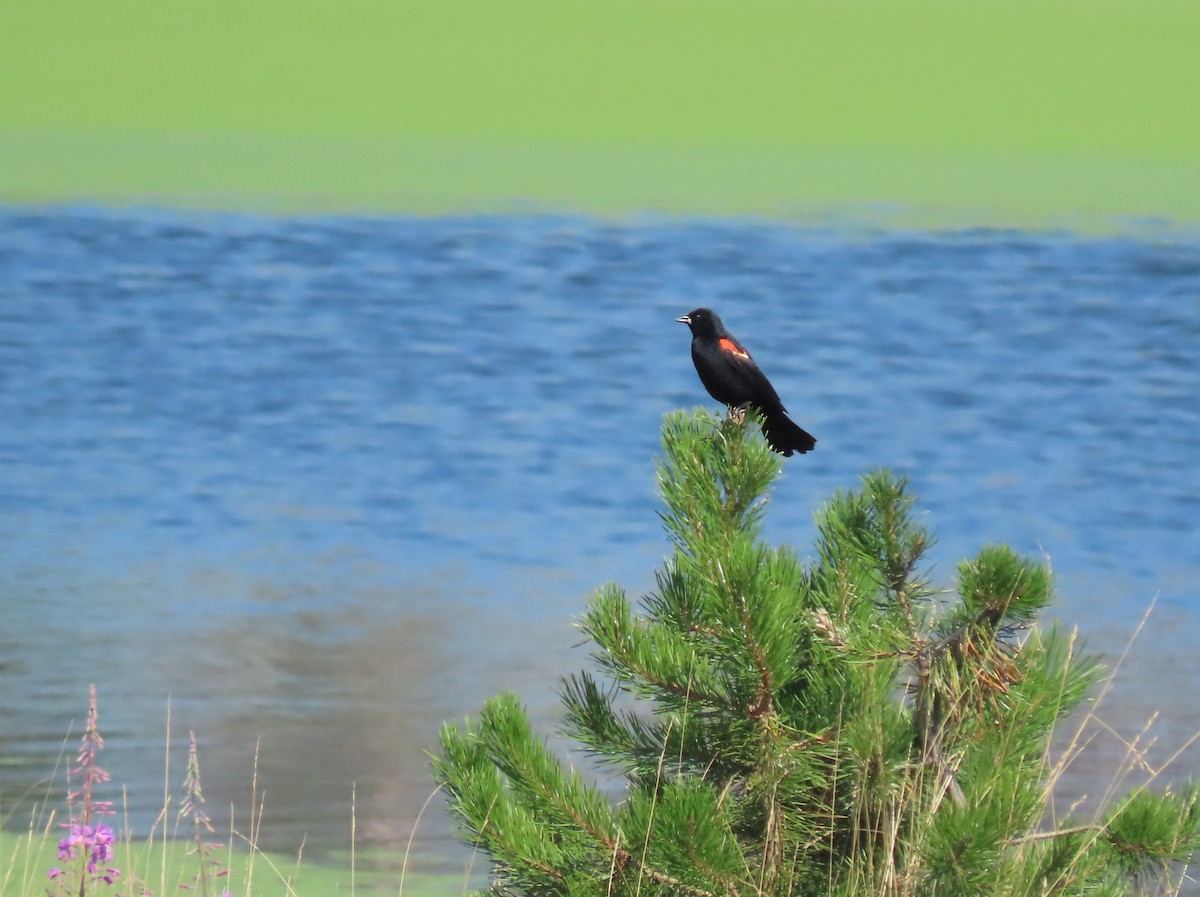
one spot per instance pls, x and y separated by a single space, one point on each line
88 843
88 770
191 808
193 797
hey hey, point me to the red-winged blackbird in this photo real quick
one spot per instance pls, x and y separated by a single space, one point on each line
731 376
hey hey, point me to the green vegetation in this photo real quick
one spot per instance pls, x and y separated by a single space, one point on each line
1023 111
75 851
163 867
829 727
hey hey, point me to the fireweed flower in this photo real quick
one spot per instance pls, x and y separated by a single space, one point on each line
88 770
191 809
88 843
92 841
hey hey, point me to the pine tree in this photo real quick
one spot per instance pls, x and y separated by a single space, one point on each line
786 727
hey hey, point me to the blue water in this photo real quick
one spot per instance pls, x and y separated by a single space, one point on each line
319 484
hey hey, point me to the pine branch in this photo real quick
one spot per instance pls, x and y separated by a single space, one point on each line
762 707
1058 833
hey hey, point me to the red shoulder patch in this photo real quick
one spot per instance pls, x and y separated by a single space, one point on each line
730 346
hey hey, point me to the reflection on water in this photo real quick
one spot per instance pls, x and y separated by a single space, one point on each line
321 484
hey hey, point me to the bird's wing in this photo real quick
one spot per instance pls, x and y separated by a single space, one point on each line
738 359
730 346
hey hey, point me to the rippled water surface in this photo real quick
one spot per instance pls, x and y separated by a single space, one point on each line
317 485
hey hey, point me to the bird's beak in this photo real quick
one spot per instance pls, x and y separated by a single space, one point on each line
684 320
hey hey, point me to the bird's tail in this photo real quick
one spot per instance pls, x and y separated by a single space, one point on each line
785 436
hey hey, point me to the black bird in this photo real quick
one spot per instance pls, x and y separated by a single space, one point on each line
731 376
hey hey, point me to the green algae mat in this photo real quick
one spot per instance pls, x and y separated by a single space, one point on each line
961 111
